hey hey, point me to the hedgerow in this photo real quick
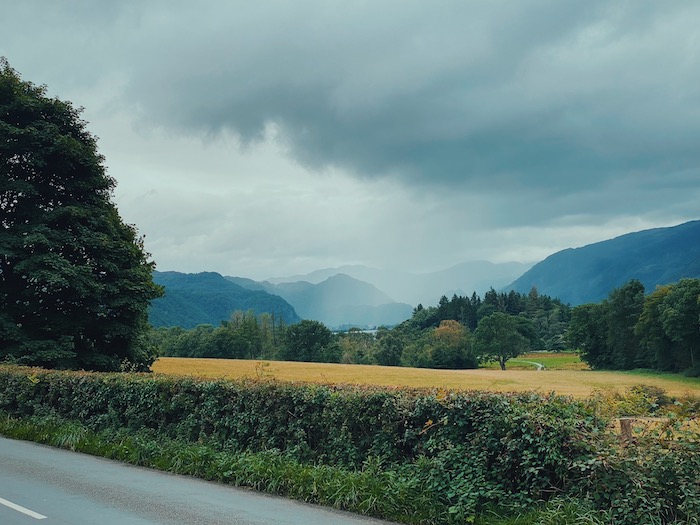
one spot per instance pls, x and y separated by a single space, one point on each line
460 452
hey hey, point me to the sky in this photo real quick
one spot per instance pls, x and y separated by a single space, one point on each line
270 138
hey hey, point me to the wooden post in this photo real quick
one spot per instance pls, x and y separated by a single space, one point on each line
626 430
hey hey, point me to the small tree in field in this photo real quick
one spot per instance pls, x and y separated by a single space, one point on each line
308 340
497 339
75 282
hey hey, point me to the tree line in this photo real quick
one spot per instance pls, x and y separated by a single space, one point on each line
630 329
458 333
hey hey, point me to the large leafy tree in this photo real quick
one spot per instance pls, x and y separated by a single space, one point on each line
588 333
75 282
680 319
655 347
498 338
389 350
451 346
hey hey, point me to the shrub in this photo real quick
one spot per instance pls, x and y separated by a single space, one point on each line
652 479
474 449
418 456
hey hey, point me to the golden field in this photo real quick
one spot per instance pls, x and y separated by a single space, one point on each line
575 382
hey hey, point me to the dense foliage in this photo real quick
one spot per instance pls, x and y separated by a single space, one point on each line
535 322
497 338
630 330
75 283
249 336
416 456
444 336
471 449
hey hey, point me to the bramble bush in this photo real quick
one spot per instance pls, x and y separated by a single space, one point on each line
652 479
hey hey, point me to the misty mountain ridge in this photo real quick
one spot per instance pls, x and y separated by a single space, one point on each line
423 288
361 296
337 300
588 274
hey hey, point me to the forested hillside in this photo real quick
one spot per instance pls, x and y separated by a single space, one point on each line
208 298
588 274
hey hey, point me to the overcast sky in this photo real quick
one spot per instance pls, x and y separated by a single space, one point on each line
268 138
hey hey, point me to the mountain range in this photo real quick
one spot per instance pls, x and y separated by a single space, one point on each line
423 288
588 274
365 297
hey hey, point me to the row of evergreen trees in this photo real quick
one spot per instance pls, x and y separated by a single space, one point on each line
629 329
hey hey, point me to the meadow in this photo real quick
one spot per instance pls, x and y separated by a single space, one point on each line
564 374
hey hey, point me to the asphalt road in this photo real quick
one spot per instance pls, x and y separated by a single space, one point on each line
46 486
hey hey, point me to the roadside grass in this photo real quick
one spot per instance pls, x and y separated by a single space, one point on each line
372 491
565 381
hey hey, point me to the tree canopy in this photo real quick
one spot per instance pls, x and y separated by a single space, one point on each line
310 341
499 337
75 281
629 330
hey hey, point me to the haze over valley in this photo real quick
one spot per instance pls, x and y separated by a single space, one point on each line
357 296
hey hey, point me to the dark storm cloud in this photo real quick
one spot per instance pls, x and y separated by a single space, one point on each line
560 96
551 94
493 129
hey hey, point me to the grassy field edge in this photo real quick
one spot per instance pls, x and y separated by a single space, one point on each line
571 380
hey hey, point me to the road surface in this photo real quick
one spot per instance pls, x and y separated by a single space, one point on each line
40 485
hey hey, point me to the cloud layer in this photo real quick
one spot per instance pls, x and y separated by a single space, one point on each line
300 134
